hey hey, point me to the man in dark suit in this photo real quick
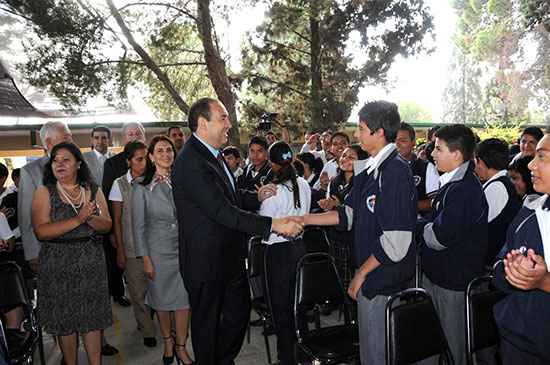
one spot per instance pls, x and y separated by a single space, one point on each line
212 236
114 168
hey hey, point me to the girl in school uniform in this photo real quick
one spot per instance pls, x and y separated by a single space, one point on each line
282 256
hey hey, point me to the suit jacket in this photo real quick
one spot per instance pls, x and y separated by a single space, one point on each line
93 164
114 168
31 178
212 225
153 221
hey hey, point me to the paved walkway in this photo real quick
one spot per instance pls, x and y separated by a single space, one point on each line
125 336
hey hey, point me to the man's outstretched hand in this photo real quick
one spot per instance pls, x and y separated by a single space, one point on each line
287 226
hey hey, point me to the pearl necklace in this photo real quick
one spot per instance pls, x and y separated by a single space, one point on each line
81 195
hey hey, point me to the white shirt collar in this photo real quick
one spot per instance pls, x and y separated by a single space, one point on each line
495 176
129 175
98 155
373 162
446 177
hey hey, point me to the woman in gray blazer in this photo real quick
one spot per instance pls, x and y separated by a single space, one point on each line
155 232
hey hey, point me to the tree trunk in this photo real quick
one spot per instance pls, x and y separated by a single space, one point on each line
316 78
216 68
148 60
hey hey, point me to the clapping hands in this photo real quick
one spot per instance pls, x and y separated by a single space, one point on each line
526 272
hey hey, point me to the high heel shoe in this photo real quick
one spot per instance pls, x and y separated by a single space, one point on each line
167 360
178 359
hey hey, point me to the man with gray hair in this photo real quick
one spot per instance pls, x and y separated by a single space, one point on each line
114 168
51 134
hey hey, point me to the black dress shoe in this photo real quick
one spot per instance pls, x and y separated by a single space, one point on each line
150 341
108 350
123 301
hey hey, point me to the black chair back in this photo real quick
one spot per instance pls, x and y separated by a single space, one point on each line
256 278
317 282
256 252
413 329
481 328
315 240
12 287
14 293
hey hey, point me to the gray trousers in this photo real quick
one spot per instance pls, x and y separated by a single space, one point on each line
372 327
450 307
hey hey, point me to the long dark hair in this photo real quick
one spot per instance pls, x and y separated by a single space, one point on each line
340 178
84 176
281 154
150 169
315 163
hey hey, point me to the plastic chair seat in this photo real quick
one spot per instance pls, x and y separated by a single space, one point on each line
334 342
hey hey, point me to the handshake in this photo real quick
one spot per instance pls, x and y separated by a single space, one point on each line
289 226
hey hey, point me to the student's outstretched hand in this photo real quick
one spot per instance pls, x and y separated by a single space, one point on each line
287 227
521 273
328 203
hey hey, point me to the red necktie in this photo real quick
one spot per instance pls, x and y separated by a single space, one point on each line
220 160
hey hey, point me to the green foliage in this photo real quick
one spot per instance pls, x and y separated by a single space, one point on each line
512 37
298 61
491 130
413 113
68 59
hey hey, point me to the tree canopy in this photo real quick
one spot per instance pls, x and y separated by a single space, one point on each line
309 59
512 37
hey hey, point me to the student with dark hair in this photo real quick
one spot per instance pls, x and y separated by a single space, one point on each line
338 190
454 233
491 159
382 210
233 158
312 167
529 139
121 202
282 255
520 175
430 134
339 141
522 316
424 173
312 140
258 172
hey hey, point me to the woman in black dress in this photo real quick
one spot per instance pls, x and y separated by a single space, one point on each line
69 212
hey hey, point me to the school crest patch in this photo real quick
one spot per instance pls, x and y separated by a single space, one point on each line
417 180
371 202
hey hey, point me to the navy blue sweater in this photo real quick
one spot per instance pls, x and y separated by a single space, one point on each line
523 317
455 232
383 207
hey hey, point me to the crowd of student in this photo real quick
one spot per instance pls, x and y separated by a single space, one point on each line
470 206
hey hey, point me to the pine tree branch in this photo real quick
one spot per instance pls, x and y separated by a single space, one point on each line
179 10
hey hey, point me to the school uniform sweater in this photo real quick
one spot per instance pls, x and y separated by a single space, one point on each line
523 317
455 231
382 209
